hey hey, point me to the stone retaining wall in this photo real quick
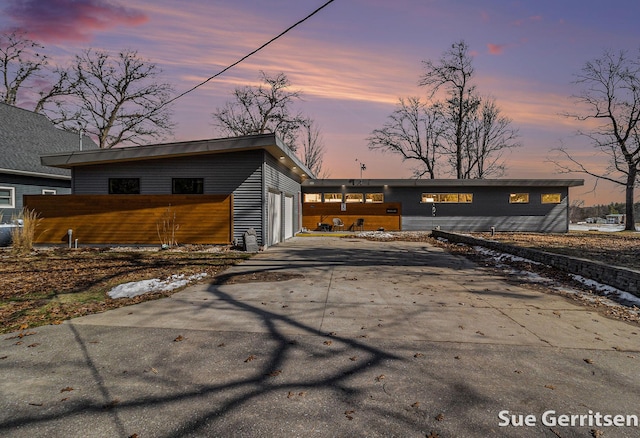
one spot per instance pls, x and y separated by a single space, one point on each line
621 278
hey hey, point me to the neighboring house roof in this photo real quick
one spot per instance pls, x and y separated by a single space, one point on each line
444 183
25 136
269 142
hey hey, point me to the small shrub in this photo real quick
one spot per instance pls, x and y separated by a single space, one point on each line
22 237
167 227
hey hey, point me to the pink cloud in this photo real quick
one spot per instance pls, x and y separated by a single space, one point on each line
69 20
496 49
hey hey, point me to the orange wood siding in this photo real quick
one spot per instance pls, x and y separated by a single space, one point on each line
385 215
132 219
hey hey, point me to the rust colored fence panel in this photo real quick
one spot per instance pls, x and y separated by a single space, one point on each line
133 219
385 215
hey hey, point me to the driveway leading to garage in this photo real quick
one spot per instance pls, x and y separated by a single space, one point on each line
346 338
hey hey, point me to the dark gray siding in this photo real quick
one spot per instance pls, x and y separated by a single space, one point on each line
28 185
239 173
279 178
490 207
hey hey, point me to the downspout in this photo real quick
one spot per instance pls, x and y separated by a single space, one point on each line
265 201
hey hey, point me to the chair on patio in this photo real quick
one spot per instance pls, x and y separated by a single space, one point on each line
359 225
338 224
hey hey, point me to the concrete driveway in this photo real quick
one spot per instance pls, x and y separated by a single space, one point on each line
345 338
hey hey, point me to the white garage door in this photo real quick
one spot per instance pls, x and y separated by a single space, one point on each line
288 217
274 207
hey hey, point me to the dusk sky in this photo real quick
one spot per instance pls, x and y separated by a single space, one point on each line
354 59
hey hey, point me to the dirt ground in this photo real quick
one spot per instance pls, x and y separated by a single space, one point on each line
620 248
51 285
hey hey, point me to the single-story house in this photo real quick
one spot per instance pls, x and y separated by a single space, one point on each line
539 205
24 137
199 192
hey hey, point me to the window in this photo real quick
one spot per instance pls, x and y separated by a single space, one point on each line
519 198
448 198
551 198
124 186
465 198
49 191
333 197
187 186
7 197
353 197
312 197
374 197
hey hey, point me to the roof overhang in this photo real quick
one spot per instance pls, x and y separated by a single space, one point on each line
36 174
269 142
443 183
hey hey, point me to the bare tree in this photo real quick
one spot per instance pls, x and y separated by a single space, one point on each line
453 74
489 135
117 99
65 85
262 109
462 133
414 131
312 151
20 60
610 96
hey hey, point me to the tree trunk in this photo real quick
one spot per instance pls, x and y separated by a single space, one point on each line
630 223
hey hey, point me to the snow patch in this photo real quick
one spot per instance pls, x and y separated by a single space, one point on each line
375 235
617 296
135 288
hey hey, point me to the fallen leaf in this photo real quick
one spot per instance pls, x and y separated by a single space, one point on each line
327 342
67 389
380 378
480 333
64 399
349 414
517 371
250 358
433 435
221 345
24 326
457 357
111 404
549 386
302 393
3 357
589 361
352 358
275 373
179 338
135 435
595 433
35 404
440 417
290 395
415 405
418 355
35 344
332 333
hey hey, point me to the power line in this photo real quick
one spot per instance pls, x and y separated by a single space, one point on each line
250 54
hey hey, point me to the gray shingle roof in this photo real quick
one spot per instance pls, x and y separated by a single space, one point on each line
25 135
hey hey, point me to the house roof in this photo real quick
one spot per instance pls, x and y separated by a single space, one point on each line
443 183
25 135
269 142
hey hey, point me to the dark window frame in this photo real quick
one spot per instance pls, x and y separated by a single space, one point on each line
124 186
187 186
